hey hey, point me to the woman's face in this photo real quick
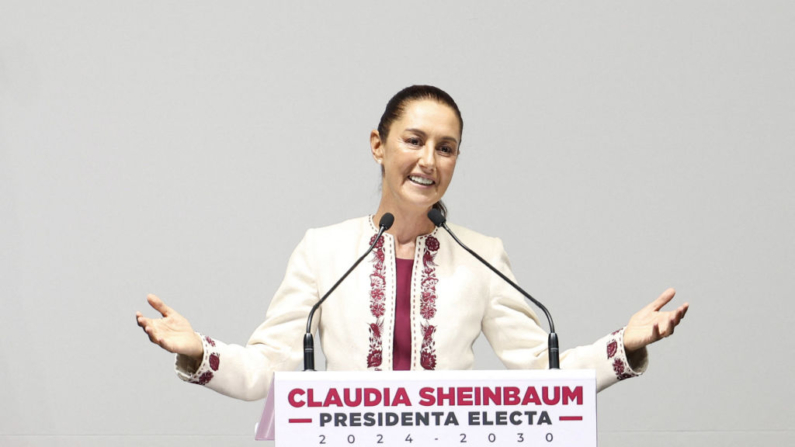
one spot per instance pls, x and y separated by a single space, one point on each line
419 155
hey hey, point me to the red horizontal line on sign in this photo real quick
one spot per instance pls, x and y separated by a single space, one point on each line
571 418
300 421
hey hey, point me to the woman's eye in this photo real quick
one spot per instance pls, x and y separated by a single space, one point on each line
447 150
413 141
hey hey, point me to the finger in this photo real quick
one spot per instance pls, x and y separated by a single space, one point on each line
150 332
154 336
672 317
159 305
655 332
679 315
671 327
685 306
144 322
666 326
663 299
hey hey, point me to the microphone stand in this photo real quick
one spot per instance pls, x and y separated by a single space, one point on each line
552 342
309 341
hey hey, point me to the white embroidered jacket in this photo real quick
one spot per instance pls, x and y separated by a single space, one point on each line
453 298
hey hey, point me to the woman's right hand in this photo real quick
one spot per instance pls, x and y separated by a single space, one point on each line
173 332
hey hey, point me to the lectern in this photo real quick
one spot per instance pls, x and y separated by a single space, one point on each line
431 408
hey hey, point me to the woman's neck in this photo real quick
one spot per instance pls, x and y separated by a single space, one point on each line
409 224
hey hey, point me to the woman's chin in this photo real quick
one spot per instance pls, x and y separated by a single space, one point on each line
411 199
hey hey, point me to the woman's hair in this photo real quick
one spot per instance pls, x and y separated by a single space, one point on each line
397 105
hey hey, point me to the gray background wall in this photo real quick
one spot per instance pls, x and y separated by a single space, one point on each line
182 148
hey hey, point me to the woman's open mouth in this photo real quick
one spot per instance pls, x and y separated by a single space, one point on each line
421 180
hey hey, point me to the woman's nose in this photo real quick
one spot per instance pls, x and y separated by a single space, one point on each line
428 157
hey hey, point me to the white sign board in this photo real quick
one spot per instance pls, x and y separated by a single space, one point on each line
428 408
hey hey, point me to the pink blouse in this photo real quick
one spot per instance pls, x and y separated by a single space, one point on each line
401 356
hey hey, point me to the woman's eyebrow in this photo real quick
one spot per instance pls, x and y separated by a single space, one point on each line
417 131
449 139
423 134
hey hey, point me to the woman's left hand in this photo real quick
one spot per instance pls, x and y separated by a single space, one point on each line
650 324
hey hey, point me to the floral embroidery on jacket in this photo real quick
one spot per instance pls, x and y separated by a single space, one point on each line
612 347
377 301
620 368
212 359
205 378
215 361
428 303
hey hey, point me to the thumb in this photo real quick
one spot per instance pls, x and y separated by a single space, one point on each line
159 305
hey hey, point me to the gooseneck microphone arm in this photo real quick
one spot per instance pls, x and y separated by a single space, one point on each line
309 341
554 352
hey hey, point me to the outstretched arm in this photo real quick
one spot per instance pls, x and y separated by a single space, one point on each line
242 372
173 332
651 324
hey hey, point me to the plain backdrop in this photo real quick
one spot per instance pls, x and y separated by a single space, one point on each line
183 147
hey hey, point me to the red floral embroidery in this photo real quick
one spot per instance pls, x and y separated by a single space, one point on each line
621 368
427 310
428 303
376 285
375 330
427 258
377 305
205 378
377 308
427 332
612 348
210 341
215 361
429 283
428 360
374 356
618 366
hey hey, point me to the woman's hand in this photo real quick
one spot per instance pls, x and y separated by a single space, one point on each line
172 332
650 324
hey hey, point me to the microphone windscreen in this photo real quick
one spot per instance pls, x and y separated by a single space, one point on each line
436 217
386 221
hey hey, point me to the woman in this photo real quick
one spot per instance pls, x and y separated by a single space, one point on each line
419 304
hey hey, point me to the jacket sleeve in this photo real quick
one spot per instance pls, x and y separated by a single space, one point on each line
245 372
513 330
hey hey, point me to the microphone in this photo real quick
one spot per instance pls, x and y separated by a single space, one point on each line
309 341
554 353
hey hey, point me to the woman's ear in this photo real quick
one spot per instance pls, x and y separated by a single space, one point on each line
377 147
